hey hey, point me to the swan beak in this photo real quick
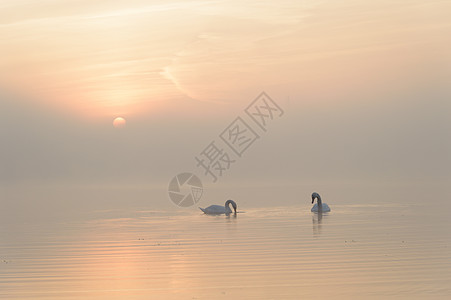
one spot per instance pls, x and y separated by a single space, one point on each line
313 200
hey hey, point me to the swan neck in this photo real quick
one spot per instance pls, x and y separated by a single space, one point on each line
320 205
227 206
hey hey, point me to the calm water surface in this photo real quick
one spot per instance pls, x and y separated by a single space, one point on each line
368 251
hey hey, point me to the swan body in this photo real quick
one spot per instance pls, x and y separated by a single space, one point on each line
325 207
319 206
219 209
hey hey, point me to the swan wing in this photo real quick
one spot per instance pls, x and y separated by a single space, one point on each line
214 209
326 207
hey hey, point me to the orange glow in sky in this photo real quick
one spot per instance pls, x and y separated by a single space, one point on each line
104 59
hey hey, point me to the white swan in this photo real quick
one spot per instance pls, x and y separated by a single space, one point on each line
319 207
218 209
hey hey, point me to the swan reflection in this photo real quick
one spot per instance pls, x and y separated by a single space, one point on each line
317 219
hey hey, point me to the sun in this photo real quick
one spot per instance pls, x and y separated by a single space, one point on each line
119 122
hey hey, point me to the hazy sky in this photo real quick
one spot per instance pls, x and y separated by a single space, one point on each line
365 86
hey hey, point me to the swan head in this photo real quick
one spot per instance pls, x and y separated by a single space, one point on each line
315 195
228 202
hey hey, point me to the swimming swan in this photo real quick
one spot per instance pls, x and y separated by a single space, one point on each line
218 209
319 207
